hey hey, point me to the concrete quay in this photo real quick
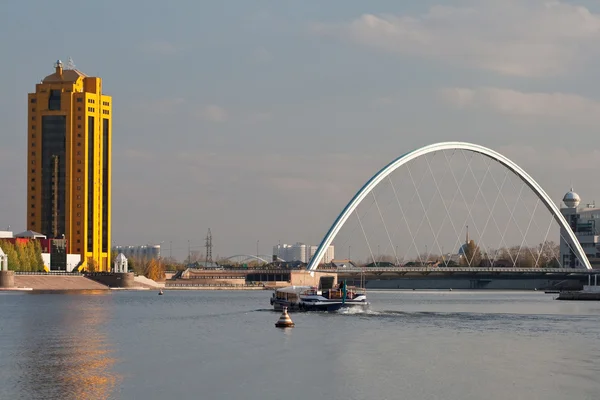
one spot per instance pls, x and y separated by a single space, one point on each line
54 283
589 293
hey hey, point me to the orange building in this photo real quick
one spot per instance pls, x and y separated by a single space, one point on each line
69 164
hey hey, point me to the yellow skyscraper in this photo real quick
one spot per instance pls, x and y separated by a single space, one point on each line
69 164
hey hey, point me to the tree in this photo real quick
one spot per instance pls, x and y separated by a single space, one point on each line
23 255
549 254
11 253
155 270
471 255
34 254
92 265
39 261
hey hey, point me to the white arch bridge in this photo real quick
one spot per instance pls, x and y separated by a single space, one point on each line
490 155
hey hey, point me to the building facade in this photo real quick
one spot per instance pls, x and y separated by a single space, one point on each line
301 252
146 252
69 164
585 223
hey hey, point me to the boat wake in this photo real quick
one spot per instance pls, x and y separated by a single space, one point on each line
357 311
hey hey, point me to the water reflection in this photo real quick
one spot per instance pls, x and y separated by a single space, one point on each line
71 357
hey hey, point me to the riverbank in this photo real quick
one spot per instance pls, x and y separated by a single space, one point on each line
55 283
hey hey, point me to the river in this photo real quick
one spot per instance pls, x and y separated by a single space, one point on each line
223 345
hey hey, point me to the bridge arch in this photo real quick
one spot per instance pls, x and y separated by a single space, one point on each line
432 148
245 257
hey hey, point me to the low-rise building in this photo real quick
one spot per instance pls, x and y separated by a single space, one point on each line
145 251
585 223
301 252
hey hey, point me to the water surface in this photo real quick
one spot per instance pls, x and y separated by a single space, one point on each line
223 345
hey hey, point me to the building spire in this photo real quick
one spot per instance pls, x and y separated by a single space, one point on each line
467 242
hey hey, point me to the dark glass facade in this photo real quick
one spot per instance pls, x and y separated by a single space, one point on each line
105 179
53 175
54 100
90 221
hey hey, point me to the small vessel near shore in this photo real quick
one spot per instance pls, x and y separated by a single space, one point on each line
310 298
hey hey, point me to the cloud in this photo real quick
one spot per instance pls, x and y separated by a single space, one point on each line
159 47
165 106
520 38
258 117
573 162
564 106
214 113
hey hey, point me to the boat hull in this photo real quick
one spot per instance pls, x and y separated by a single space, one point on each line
333 306
278 305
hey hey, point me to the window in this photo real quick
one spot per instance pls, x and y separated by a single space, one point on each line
33 153
33 162
54 100
33 101
32 127
33 109
78 143
79 117
33 170
33 144
79 135
78 108
33 223
79 100
33 206
79 126
32 215
33 118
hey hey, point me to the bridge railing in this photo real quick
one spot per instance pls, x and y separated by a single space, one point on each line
62 273
467 269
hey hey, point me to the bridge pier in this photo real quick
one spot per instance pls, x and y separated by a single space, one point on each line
114 279
7 279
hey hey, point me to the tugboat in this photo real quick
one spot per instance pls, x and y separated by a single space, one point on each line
310 298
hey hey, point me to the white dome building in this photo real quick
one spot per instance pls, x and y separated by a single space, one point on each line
571 199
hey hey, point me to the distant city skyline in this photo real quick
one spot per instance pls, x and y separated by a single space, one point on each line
261 120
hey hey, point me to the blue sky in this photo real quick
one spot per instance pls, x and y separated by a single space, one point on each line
260 119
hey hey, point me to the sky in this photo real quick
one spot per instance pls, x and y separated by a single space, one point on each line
261 119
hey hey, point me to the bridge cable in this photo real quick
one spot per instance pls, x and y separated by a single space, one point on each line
385 227
491 211
479 191
366 239
405 220
425 215
448 215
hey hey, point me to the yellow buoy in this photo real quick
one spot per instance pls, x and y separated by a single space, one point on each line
284 320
